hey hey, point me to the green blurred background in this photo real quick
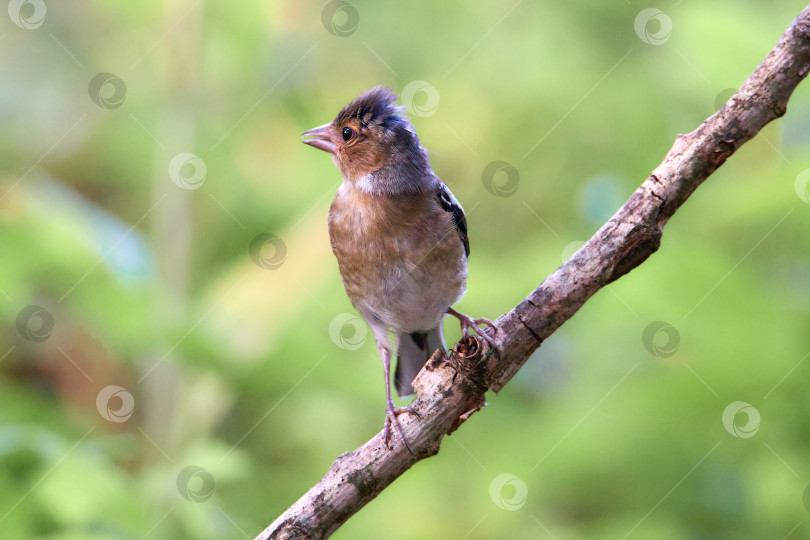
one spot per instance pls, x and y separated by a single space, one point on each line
247 380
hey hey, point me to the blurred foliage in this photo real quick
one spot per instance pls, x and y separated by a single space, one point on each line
232 367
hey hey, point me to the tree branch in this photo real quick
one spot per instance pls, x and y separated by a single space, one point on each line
451 389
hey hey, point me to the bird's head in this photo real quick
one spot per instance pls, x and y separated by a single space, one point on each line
374 145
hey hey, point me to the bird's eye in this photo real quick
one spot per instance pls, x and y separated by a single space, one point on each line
347 133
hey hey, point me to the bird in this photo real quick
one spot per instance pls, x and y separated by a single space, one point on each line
399 235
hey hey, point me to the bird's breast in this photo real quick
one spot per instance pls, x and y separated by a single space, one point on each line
400 257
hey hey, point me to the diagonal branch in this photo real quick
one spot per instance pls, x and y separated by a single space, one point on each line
450 390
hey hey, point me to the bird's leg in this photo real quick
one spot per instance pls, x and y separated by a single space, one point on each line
391 412
468 322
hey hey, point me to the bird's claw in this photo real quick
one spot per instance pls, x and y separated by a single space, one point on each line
392 418
468 322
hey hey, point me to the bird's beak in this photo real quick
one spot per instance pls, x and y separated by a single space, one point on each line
321 138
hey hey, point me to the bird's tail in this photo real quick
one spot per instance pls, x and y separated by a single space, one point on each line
414 351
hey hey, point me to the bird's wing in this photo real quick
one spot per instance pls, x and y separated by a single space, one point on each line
450 204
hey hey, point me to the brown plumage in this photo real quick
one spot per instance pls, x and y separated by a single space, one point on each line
399 235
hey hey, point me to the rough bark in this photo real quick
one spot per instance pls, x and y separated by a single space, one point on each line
451 389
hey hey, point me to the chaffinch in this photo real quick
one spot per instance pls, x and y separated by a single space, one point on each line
399 235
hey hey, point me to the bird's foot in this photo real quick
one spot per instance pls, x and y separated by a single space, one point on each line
468 322
392 419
